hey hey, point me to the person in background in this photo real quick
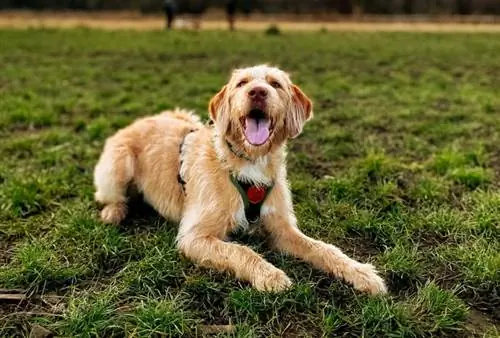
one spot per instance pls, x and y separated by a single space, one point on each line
231 12
169 8
197 8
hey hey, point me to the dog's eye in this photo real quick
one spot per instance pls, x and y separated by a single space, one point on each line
275 84
242 83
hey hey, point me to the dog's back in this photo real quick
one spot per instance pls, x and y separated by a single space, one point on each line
183 115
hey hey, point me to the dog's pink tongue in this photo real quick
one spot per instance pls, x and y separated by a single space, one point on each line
257 130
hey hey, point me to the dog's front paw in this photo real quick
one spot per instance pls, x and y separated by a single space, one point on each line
271 279
366 279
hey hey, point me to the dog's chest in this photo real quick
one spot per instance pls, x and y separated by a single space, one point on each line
254 174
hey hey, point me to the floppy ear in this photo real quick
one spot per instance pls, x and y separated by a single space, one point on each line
300 112
219 110
216 103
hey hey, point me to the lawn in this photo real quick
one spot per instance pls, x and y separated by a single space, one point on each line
399 168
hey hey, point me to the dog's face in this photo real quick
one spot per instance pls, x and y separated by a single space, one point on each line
260 108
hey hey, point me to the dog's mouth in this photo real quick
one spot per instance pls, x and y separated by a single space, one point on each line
257 127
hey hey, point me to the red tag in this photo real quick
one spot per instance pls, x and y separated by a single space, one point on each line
256 194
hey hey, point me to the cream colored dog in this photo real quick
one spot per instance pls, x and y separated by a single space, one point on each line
214 179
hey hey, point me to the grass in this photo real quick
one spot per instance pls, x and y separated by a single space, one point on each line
399 168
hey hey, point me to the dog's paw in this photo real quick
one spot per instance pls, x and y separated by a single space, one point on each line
114 213
272 280
367 280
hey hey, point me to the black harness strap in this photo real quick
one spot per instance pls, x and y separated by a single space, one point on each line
180 179
237 152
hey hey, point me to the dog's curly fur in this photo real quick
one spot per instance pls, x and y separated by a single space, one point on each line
146 155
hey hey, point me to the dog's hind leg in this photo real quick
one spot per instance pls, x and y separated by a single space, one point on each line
112 175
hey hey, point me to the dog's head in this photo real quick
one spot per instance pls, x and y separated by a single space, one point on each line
259 109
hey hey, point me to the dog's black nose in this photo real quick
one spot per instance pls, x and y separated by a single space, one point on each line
258 93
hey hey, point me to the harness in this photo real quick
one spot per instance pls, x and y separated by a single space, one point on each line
180 179
253 196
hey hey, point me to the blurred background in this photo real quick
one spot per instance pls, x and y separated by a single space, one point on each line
149 14
347 7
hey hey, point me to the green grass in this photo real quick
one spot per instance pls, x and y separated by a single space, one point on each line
399 168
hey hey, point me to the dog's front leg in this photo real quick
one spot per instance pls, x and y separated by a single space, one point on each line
200 240
280 222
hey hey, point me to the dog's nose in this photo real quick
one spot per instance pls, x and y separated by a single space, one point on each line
258 93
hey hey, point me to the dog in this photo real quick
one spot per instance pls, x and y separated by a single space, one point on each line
214 179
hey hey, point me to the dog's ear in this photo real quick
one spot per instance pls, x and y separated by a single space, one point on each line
300 112
216 104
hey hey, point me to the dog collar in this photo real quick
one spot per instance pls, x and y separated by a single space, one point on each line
253 198
237 152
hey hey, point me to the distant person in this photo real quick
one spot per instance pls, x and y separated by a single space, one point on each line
170 8
196 9
231 12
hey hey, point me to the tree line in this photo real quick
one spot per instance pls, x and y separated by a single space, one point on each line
347 7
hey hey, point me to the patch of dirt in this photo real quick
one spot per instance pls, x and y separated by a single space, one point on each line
402 284
483 302
316 165
433 239
478 323
494 164
486 302
6 250
15 315
358 246
20 130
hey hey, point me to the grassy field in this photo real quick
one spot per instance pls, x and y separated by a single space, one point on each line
400 167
